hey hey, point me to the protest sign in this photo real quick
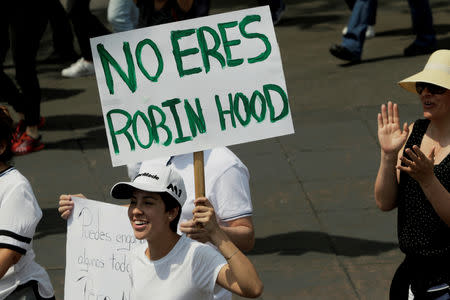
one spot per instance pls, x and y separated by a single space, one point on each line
191 85
99 240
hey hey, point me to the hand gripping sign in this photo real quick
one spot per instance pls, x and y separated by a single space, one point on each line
191 85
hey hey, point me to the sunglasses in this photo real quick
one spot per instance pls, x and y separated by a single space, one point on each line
432 88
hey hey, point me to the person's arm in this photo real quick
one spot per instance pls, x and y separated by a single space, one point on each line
240 232
238 275
8 258
391 139
421 168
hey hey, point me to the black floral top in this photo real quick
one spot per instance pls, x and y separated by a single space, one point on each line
423 236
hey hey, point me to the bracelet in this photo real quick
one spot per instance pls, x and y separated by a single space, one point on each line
228 258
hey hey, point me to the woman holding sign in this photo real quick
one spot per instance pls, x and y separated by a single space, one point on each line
171 266
227 189
20 276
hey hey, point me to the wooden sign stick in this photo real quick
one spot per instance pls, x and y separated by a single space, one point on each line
199 174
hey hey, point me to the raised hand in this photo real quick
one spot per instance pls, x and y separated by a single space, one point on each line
419 167
390 135
65 205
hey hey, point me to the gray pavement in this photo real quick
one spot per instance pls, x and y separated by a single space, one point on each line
318 232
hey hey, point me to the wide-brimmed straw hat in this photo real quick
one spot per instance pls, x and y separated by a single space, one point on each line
436 71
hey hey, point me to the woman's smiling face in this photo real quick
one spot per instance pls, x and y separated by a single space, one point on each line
148 216
435 106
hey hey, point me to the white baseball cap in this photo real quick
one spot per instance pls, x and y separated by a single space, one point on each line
156 178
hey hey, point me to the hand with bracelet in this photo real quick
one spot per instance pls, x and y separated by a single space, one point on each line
239 274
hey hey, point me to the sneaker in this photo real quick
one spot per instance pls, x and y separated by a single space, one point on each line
343 53
415 49
26 144
370 32
80 68
20 128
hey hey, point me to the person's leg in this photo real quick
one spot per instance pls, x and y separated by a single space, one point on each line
353 41
62 36
357 26
85 24
373 13
9 92
25 43
422 23
123 15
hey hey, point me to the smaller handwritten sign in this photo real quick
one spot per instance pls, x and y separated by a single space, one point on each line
99 240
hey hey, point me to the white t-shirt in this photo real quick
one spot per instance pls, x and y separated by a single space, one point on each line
188 272
19 216
226 183
226 187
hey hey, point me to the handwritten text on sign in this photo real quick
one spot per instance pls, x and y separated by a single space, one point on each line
99 239
191 85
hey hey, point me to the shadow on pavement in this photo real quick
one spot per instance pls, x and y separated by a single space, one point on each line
94 139
306 22
65 122
441 44
51 223
55 93
300 242
439 28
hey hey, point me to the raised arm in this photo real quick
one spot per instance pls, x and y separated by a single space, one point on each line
391 138
239 275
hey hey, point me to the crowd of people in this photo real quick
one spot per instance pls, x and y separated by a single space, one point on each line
217 229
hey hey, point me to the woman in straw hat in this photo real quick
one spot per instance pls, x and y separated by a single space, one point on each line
414 175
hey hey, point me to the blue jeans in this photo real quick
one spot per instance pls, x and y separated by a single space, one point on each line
362 14
123 15
363 10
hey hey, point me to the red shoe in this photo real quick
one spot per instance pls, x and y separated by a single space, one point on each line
20 128
26 144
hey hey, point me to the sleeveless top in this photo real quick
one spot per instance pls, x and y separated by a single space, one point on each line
423 236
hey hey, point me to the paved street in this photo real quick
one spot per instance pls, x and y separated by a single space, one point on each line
319 234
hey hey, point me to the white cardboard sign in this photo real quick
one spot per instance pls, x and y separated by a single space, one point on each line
99 239
191 85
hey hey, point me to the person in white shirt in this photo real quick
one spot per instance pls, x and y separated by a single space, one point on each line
20 276
226 187
175 267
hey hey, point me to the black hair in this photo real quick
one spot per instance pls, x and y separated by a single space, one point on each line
6 134
170 203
